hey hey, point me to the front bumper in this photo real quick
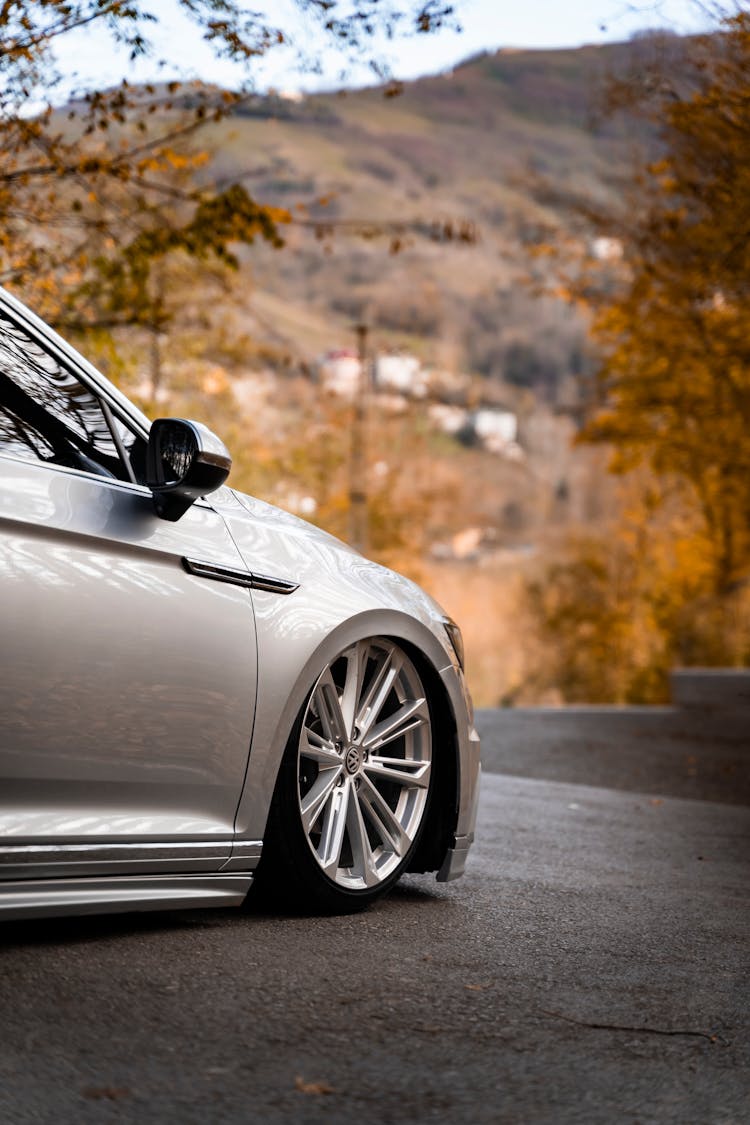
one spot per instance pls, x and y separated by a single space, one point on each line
469 775
455 859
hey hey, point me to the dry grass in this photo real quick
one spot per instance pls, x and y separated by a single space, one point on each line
487 601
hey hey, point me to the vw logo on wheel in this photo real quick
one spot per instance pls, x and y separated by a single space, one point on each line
353 759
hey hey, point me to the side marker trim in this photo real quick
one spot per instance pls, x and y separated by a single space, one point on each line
236 577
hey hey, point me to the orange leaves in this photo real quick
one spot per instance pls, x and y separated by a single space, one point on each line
314 1088
675 338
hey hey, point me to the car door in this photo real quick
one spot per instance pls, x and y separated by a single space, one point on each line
127 684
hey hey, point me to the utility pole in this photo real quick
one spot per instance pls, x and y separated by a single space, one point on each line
358 516
155 328
156 371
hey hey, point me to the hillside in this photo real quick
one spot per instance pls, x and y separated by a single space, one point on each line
470 145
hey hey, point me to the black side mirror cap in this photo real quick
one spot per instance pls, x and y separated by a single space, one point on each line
184 461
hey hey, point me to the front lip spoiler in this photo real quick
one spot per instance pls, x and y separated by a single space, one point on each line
455 859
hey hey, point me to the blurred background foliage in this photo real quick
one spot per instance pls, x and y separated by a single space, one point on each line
556 237
670 583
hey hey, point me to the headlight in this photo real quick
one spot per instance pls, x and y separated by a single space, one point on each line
456 640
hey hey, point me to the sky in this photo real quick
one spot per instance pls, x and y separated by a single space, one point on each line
486 25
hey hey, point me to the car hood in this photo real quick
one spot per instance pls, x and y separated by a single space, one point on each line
287 523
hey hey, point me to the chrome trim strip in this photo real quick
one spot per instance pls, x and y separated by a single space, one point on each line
274 585
61 853
219 573
246 847
237 577
57 861
245 856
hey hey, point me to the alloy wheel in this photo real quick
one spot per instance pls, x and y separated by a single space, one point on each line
364 763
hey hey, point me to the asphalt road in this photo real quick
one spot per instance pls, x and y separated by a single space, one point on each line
591 967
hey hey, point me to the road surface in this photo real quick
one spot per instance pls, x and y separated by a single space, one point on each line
591 967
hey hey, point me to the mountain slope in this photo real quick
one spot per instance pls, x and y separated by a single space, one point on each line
466 145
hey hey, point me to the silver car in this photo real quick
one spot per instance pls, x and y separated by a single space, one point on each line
199 690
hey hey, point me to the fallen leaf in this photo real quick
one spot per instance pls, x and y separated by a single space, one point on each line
105 1093
475 987
312 1087
656 801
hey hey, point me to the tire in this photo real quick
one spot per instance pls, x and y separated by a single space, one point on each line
354 786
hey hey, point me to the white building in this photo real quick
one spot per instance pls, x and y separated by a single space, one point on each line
450 419
400 373
496 430
339 372
394 373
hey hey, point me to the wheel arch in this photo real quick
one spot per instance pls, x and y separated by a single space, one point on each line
272 732
438 830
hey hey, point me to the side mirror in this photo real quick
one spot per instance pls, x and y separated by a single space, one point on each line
184 460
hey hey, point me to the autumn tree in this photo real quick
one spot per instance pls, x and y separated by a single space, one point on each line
675 377
670 581
92 184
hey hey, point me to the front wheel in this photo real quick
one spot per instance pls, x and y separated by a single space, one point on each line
355 783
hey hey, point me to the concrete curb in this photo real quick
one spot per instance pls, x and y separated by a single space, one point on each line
711 689
698 753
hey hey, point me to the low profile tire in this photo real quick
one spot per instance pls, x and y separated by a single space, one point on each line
354 786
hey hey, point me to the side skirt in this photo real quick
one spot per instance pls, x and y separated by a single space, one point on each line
45 899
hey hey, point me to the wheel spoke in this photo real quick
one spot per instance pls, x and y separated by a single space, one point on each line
356 659
329 708
314 801
410 715
313 745
363 863
409 773
334 826
382 818
379 690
